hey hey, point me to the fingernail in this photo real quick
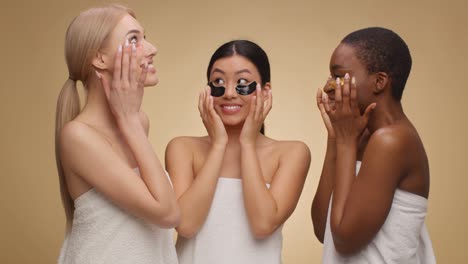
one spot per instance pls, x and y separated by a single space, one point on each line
324 96
120 49
346 76
98 74
373 107
338 81
126 43
133 47
353 80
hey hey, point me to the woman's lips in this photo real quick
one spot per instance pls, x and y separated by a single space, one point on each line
151 68
230 109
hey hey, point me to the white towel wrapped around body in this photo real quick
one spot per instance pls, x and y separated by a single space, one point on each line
402 239
104 233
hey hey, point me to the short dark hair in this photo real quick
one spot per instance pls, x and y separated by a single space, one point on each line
382 50
248 50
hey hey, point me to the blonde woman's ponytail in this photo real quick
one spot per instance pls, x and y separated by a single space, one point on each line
68 107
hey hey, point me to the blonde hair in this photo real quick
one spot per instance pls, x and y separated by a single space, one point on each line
86 34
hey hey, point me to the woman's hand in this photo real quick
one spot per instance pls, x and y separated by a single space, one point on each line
125 92
213 123
259 109
323 104
346 119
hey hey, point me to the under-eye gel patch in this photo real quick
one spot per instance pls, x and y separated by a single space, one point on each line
241 89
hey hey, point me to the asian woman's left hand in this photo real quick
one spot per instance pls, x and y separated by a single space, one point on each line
260 106
348 123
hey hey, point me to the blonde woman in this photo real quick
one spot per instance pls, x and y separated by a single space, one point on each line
118 201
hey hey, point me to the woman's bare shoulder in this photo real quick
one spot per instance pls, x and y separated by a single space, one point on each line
188 143
399 136
287 148
76 131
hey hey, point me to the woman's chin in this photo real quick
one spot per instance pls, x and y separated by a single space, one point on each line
151 81
232 122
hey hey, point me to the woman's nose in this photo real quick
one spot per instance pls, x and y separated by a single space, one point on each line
150 50
230 91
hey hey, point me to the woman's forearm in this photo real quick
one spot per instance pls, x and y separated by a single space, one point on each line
195 203
151 170
260 205
344 178
325 187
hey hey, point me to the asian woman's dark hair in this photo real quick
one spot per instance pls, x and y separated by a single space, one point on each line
250 51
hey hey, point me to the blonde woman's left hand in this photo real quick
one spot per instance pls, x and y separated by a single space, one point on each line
260 106
125 92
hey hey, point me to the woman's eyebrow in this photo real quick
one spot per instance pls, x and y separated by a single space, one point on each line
218 70
336 67
242 71
133 31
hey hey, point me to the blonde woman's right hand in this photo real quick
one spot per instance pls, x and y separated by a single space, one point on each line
213 123
322 104
125 92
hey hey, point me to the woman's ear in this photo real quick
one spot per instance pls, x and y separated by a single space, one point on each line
382 82
266 89
99 62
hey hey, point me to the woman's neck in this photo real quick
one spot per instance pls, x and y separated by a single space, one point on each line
233 133
96 110
385 114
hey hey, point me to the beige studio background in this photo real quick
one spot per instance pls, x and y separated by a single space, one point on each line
299 37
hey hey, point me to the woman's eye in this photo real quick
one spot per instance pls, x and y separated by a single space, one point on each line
219 81
242 81
334 76
134 39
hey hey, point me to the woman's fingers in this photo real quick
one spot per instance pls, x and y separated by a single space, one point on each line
118 65
253 106
212 111
338 94
321 102
259 103
268 104
207 99
200 102
346 92
368 111
208 104
318 97
326 103
133 65
353 94
205 108
142 78
126 65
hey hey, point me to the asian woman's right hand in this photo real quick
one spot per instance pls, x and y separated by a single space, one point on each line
124 92
213 123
